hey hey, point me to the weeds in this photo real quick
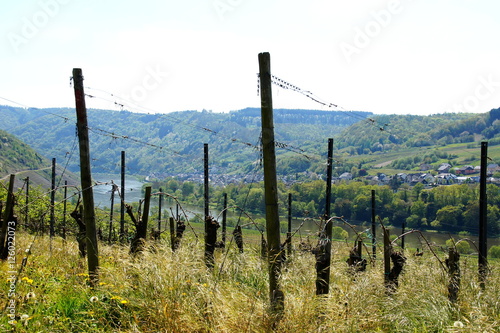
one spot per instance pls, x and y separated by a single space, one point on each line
165 291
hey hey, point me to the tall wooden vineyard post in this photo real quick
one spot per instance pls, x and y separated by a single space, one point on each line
270 184
122 199
483 222
374 229
86 178
52 200
323 259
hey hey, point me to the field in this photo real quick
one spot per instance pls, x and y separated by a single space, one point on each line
162 291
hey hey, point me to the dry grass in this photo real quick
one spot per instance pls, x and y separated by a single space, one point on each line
161 291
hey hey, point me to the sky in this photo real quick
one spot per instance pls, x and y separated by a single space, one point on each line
385 56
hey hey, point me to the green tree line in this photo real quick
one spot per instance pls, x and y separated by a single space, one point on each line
452 208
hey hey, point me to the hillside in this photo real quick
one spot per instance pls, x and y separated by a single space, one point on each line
165 144
18 158
172 144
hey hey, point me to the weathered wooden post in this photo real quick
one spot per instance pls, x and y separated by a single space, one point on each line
122 199
483 217
453 264
172 234
159 210
374 245
8 215
26 203
224 221
210 224
65 206
110 235
387 256
289 231
270 184
52 199
86 178
323 257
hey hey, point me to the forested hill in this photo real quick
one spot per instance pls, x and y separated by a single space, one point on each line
16 156
169 144
172 144
388 132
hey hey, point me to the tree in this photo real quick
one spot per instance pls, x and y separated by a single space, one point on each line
450 217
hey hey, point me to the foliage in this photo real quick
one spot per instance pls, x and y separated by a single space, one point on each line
174 292
462 246
494 252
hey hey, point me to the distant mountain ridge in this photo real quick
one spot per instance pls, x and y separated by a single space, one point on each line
172 144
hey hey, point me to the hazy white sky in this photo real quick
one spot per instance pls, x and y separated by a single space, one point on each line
384 56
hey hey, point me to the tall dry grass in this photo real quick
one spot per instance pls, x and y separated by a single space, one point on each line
161 291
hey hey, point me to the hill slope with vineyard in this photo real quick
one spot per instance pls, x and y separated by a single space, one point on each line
172 144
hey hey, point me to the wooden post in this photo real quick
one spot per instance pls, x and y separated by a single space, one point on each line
64 209
159 211
122 199
86 178
453 264
172 234
387 257
145 211
270 183
289 232
210 233
224 220
52 198
7 219
113 189
323 257
26 203
483 216
374 240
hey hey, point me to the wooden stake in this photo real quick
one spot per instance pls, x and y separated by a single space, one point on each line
64 209
52 198
26 203
289 232
224 221
483 217
159 211
324 251
387 256
172 234
86 178
110 234
122 199
374 246
270 183
453 264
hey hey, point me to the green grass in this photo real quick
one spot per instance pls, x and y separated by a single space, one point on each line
161 291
